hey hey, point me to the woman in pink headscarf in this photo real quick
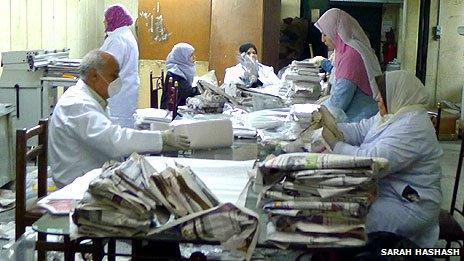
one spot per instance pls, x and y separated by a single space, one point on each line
355 66
121 43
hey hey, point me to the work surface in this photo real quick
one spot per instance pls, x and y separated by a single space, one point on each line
224 171
228 180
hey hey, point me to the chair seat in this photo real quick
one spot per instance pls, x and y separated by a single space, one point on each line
449 227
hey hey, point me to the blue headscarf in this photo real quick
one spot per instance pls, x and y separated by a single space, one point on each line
178 61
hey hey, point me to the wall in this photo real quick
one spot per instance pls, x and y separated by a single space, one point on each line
53 24
227 39
407 46
187 21
450 57
290 8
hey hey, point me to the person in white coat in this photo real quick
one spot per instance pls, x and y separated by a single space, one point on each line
409 192
249 71
81 135
121 43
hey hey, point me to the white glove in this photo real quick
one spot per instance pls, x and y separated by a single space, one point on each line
174 142
329 137
328 121
317 60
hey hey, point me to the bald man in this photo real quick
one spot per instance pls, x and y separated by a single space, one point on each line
81 135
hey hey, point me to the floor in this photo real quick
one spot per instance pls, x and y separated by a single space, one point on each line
449 165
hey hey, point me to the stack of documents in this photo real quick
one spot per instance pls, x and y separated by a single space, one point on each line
318 199
145 118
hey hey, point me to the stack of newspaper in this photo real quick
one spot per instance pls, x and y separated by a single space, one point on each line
133 198
318 199
305 81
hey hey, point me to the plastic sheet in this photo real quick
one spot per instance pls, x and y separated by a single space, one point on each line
265 119
21 250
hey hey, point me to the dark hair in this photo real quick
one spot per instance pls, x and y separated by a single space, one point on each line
381 84
244 47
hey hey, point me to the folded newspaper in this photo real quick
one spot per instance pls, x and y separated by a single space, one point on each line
317 199
133 199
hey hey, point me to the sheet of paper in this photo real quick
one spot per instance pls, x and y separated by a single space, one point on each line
206 134
226 179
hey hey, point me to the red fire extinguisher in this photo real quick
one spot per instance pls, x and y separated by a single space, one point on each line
390 47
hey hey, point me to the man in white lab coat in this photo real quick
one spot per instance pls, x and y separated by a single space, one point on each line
81 135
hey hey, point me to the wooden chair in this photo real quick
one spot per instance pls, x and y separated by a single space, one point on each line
156 84
172 89
450 230
26 215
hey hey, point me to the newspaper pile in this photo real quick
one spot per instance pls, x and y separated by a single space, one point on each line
304 81
133 199
64 67
211 100
318 199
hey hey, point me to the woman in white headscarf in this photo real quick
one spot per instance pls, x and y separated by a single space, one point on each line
354 87
402 132
180 65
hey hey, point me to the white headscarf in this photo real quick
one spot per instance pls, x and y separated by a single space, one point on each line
405 93
337 22
178 61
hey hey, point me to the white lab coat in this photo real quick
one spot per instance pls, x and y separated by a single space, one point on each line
265 74
82 137
410 145
122 44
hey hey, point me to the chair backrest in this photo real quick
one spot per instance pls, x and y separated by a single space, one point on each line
23 155
455 208
156 84
172 89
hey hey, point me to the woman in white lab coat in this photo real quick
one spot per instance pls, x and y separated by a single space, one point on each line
121 43
409 192
249 71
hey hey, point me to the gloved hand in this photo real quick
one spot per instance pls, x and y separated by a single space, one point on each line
329 137
328 121
317 60
174 142
326 65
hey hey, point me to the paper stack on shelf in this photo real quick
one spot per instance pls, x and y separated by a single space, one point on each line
65 68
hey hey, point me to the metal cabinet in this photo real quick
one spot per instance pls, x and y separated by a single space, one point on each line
7 144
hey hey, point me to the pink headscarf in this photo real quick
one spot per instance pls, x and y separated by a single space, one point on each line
354 58
117 16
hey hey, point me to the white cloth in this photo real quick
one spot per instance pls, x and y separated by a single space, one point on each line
265 74
122 45
405 93
82 137
414 154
